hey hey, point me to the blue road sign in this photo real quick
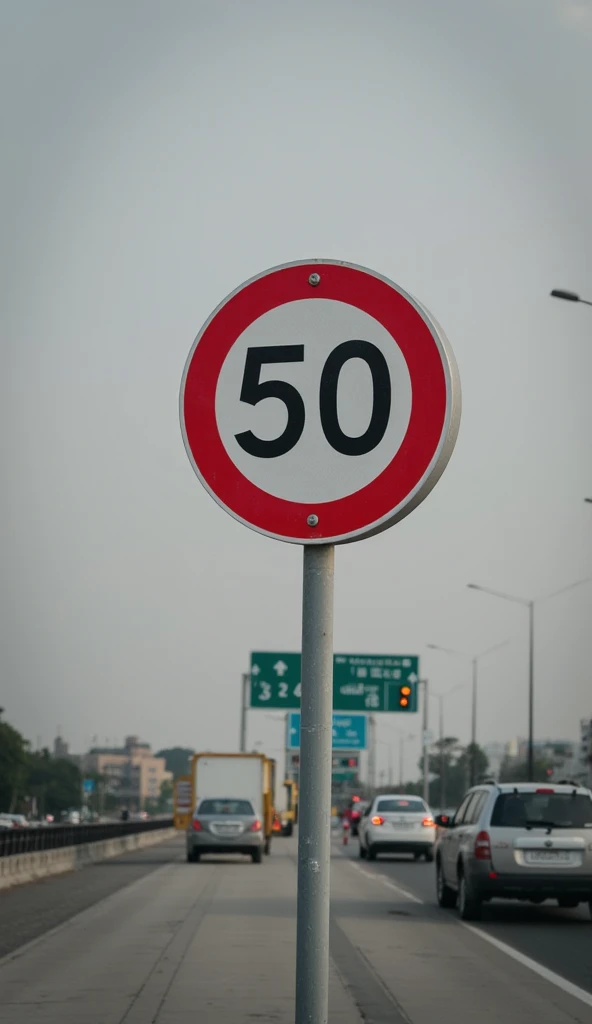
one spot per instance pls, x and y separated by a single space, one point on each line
350 732
88 785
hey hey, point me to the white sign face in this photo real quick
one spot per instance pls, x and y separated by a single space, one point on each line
320 403
313 470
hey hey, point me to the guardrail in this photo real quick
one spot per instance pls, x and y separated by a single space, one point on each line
52 837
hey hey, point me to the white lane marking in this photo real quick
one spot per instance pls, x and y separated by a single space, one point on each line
379 877
533 965
525 961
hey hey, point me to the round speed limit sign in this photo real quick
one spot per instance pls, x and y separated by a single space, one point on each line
320 403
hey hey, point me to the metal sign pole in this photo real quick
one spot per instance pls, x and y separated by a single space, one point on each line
312 947
425 743
245 680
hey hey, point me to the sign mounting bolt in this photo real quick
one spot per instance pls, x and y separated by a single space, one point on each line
314 280
313 520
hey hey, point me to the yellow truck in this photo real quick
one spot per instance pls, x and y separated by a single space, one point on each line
289 817
243 776
183 802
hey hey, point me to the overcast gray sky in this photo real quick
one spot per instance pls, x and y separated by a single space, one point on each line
158 154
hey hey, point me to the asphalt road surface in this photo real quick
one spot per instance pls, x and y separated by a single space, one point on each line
150 938
27 911
560 940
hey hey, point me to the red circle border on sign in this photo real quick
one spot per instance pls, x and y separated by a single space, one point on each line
394 486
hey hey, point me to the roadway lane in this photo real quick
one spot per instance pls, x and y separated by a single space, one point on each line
560 940
216 941
28 911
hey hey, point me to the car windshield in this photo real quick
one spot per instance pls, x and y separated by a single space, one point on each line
542 810
401 806
226 807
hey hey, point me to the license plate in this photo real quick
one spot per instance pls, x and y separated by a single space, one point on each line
401 824
550 857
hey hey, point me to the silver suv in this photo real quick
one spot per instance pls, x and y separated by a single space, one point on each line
526 841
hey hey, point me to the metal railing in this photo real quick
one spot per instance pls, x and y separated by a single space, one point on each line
51 837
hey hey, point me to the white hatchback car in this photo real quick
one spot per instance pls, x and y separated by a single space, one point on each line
397 824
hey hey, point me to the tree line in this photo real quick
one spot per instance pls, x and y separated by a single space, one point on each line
452 766
34 778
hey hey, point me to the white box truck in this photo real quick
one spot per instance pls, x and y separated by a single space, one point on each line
236 777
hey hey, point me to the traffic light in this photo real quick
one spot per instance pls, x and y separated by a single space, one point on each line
346 762
405 697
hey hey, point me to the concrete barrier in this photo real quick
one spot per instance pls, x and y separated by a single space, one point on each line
29 867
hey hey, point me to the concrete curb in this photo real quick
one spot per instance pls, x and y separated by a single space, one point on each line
20 868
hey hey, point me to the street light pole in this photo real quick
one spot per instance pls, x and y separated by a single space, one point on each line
475 664
530 605
243 716
425 746
473 763
442 758
531 691
561 293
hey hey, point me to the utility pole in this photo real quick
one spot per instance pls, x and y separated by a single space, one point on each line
372 754
425 744
243 715
473 765
442 757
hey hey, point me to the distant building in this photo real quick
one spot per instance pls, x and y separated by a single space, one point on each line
495 753
134 775
565 756
585 751
60 749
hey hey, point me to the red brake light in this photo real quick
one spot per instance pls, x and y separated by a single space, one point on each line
483 846
544 790
377 820
256 826
196 825
428 822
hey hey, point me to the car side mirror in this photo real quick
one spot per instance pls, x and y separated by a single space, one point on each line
443 821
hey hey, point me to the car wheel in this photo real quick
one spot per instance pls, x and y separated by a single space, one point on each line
189 857
469 906
371 853
362 852
417 856
429 856
567 904
446 896
257 855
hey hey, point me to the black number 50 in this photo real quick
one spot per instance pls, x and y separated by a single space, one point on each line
254 391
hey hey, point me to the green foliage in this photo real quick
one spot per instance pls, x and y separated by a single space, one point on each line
517 771
451 763
56 784
13 765
177 760
164 803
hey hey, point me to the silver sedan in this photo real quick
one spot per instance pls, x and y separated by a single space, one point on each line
225 825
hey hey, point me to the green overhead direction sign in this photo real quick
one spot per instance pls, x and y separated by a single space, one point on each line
361 682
